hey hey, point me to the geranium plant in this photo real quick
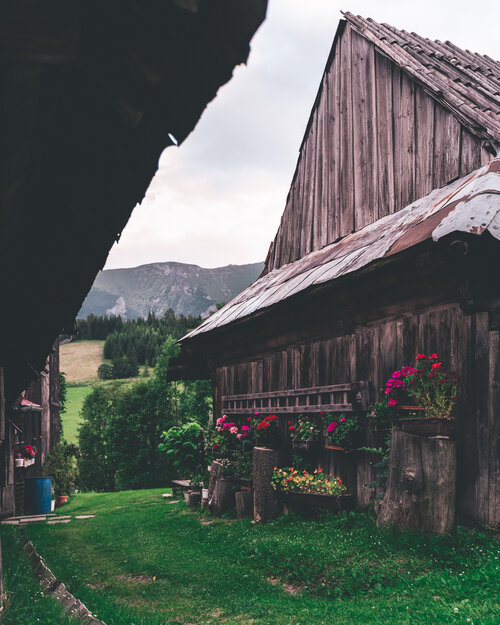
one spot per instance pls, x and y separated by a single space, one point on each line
267 430
304 429
343 431
427 384
317 482
25 451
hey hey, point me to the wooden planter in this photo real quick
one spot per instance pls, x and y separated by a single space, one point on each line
424 426
305 446
315 500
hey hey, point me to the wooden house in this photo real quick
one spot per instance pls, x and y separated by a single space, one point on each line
91 94
388 246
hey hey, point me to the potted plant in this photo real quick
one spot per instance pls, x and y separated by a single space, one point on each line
304 433
267 430
423 397
25 455
61 466
342 433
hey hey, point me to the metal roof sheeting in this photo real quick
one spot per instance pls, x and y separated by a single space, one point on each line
471 205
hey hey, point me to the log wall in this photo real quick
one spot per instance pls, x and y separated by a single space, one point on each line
375 142
464 343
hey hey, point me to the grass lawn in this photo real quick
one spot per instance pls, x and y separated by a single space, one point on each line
81 359
147 561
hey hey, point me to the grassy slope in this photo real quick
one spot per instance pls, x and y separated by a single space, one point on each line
81 359
25 602
344 568
71 417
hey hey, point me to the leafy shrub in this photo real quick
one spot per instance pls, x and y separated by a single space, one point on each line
60 465
184 446
106 371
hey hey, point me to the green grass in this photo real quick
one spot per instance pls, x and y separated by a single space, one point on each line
146 561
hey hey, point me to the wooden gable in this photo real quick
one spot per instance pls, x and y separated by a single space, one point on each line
376 141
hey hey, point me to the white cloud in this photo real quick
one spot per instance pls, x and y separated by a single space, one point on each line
218 198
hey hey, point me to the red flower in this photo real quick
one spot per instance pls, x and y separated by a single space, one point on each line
249 418
421 356
290 427
434 356
392 402
436 365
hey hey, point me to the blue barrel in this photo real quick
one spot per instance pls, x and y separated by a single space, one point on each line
38 495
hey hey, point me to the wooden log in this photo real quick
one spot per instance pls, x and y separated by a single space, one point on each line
421 484
243 504
265 501
223 497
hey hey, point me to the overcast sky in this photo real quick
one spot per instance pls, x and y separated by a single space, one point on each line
218 198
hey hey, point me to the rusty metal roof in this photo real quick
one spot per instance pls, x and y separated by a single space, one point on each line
466 83
470 204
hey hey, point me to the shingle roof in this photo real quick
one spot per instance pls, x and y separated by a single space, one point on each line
471 205
466 83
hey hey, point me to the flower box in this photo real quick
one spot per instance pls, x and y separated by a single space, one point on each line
306 446
19 462
309 500
425 426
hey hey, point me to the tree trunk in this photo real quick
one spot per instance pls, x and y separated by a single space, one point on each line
421 484
265 502
244 504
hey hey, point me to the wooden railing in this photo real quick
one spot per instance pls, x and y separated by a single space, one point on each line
334 398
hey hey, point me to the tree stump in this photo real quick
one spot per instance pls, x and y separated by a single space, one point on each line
223 497
265 502
421 484
244 504
215 470
193 499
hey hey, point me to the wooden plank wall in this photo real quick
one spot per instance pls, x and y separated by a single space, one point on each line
464 343
376 141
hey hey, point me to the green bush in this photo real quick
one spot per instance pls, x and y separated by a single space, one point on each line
184 445
106 371
125 367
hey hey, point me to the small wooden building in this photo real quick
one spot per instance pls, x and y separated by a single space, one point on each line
388 246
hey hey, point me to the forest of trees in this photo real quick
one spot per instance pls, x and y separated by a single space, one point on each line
136 340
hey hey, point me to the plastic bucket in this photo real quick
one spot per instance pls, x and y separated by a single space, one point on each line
38 495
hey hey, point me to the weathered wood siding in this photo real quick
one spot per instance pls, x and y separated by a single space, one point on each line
375 142
464 343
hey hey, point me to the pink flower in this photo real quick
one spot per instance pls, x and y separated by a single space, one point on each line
239 436
245 428
233 430
342 420
220 420
256 413
392 402
331 426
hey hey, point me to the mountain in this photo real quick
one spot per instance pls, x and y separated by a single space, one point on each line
187 289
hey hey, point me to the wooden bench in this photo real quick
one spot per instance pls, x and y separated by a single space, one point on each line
179 486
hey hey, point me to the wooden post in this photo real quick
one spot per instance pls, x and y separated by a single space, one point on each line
215 472
265 502
244 504
421 484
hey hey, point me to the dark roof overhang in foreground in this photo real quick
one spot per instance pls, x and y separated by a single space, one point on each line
468 206
91 94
